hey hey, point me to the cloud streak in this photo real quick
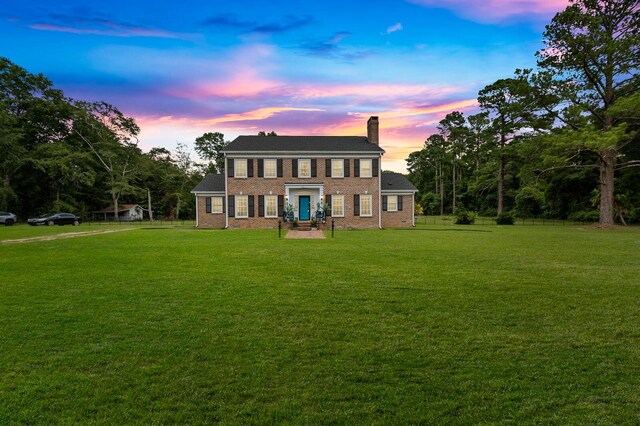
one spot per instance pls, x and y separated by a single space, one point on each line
331 48
99 26
288 23
497 10
395 27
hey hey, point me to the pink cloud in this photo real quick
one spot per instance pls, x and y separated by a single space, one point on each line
402 130
372 90
497 10
244 83
247 83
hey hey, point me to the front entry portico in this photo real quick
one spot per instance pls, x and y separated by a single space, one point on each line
305 198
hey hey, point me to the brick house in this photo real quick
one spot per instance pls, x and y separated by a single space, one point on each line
339 175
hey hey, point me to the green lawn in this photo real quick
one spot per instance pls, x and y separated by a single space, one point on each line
441 324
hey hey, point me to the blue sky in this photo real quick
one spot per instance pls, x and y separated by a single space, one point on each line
296 67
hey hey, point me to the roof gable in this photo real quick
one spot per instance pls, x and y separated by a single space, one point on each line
395 182
211 183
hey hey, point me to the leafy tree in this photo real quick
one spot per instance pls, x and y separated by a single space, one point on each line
263 133
32 113
510 105
112 139
68 170
209 146
588 68
454 130
182 177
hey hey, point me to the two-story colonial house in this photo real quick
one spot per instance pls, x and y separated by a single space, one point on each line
340 175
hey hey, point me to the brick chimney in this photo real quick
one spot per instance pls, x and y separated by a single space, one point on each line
373 130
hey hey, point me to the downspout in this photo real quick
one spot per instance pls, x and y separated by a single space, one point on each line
197 212
380 192
226 194
413 209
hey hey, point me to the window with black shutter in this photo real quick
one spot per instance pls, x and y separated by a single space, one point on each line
294 167
400 197
223 205
232 205
356 168
249 168
356 205
280 204
384 203
260 167
374 167
251 206
208 204
279 165
260 205
327 212
230 172
327 168
347 168
314 167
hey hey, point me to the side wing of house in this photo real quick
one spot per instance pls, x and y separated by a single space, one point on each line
398 200
211 202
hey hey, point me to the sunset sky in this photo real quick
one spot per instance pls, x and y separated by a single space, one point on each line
294 67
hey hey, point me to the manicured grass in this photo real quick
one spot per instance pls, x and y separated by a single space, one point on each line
439 324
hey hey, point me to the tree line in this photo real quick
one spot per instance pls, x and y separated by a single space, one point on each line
63 154
560 140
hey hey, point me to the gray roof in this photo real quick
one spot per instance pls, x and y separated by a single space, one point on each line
396 182
301 144
210 183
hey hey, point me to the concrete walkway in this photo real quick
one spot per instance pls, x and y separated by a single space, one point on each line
306 234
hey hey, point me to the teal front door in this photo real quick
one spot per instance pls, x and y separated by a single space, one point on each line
304 205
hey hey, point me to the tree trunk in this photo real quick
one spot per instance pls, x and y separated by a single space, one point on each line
441 192
178 208
453 179
116 215
607 172
501 185
5 199
149 205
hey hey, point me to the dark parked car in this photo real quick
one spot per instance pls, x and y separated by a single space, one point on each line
7 218
56 219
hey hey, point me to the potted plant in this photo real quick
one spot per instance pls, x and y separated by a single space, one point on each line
288 217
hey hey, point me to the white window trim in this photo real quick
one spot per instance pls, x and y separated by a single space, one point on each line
342 168
213 208
275 168
300 168
246 199
388 198
370 214
370 167
333 198
266 203
235 168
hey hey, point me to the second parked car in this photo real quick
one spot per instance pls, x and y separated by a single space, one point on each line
56 219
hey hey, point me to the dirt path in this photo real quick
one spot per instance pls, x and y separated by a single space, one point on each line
306 234
66 235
